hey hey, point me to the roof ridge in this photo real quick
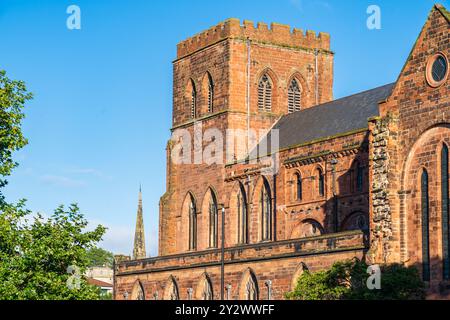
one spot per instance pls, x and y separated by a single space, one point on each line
339 99
443 11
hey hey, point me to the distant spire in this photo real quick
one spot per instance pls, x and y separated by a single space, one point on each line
139 238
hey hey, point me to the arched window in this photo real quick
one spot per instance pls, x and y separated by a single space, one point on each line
425 227
265 94
309 228
321 182
213 221
171 290
359 177
445 218
298 187
205 288
210 94
294 97
266 210
193 100
138 292
242 215
251 288
192 224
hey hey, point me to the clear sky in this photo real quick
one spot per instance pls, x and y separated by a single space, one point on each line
101 115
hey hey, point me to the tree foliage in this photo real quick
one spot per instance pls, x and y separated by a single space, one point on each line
346 280
35 255
13 95
99 257
36 252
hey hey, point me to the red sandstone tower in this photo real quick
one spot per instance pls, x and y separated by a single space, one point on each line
217 82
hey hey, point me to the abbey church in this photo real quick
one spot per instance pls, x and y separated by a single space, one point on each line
363 176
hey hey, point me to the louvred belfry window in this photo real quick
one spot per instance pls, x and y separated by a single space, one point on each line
210 95
265 94
294 97
193 101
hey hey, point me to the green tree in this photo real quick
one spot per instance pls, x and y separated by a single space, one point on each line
13 95
346 280
36 256
99 257
36 253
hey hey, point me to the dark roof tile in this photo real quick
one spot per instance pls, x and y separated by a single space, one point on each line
330 119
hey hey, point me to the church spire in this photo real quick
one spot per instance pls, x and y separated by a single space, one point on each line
139 239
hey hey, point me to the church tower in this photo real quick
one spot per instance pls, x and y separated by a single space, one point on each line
233 77
139 238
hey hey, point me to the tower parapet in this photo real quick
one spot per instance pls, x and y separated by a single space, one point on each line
277 34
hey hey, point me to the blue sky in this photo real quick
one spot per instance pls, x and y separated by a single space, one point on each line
101 115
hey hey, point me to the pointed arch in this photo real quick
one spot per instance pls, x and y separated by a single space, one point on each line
171 290
237 220
204 290
265 90
189 219
301 268
242 215
357 220
208 220
191 95
138 292
359 179
410 181
320 181
265 204
261 223
307 228
294 96
297 187
209 89
425 225
248 287
213 220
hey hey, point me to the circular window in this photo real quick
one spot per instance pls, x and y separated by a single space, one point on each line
437 70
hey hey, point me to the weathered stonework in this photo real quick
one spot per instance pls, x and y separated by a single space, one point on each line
381 220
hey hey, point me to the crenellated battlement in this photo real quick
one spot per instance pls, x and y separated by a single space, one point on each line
277 34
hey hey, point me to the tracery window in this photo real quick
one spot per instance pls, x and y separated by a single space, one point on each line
299 187
213 221
425 227
192 224
251 289
242 215
265 94
266 212
294 97
193 100
210 94
321 182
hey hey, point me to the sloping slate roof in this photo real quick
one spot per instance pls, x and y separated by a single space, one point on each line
331 118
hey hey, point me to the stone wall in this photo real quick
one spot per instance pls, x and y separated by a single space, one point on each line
381 220
280 262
